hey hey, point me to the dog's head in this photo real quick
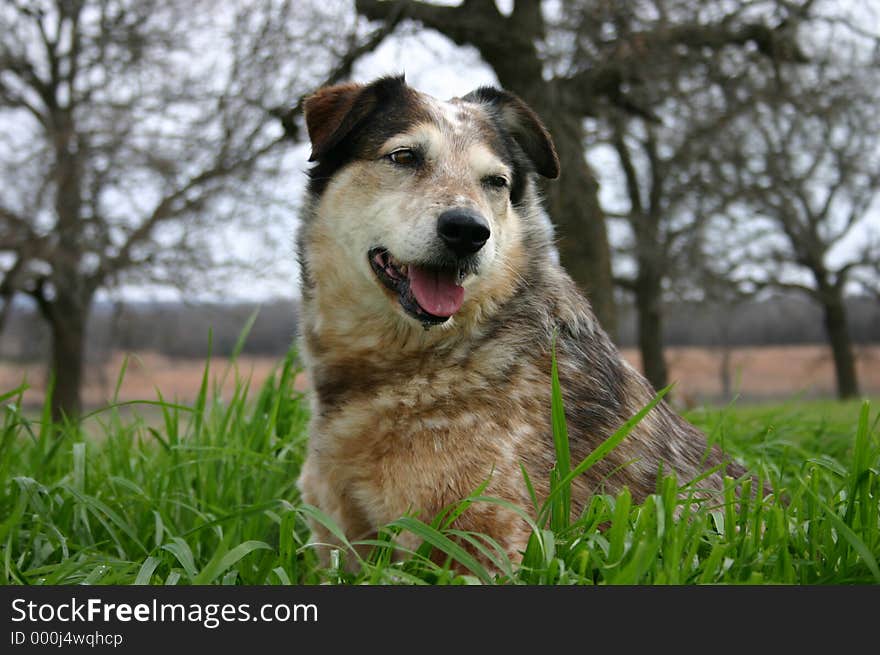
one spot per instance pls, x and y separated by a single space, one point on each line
427 202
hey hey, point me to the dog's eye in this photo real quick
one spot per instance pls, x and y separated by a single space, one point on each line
496 181
404 157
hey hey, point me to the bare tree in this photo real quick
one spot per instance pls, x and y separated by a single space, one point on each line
571 60
803 169
133 130
657 171
666 189
665 208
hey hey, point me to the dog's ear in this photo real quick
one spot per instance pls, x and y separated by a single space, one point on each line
333 112
523 125
329 116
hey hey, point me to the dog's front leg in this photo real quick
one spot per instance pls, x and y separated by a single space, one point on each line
317 490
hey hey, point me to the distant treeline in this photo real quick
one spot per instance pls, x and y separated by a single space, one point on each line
182 330
778 320
172 329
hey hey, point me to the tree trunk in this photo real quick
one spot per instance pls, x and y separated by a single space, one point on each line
5 311
724 314
573 205
837 329
68 341
725 372
67 315
648 292
67 309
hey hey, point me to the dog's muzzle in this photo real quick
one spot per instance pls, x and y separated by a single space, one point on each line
463 231
430 290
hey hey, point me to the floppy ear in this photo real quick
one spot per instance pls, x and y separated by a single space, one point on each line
329 116
524 126
334 111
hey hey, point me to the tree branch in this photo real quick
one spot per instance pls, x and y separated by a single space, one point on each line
9 98
38 293
175 204
473 22
527 14
787 286
656 175
608 80
27 75
629 171
289 115
625 283
507 44
10 219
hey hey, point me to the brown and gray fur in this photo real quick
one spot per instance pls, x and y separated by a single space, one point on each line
413 418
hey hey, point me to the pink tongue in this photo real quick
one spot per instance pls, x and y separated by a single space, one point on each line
436 291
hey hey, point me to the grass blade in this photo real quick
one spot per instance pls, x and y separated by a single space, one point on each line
562 511
602 449
442 543
220 563
181 550
146 571
852 538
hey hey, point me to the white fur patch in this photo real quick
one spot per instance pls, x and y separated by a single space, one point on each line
452 114
485 162
425 136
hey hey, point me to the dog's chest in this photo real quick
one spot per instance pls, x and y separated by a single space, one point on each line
419 446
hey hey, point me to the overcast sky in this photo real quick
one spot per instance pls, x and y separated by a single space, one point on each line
433 65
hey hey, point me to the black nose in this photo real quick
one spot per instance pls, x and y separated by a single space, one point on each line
463 231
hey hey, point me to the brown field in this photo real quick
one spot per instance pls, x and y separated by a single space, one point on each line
756 373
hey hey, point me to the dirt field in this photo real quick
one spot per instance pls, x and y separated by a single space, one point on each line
761 373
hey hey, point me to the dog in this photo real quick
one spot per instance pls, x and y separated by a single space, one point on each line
432 304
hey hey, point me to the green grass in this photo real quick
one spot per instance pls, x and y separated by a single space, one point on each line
206 494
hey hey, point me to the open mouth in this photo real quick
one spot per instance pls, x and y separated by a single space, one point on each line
430 294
